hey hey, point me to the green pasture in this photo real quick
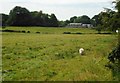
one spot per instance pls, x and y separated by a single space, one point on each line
54 56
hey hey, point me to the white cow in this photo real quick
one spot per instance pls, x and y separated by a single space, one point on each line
81 51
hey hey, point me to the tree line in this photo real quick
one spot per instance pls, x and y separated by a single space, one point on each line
20 16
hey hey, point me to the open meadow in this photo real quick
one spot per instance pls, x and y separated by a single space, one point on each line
48 54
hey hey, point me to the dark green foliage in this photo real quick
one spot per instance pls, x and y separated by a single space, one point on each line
11 31
45 20
118 5
37 32
66 22
23 31
81 19
115 22
66 32
96 20
62 24
114 64
78 33
114 61
114 56
3 19
84 19
37 19
99 29
19 17
53 21
108 20
72 19
28 31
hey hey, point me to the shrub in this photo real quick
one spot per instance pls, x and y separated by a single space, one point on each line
114 62
28 31
37 32
66 32
78 33
23 31
114 56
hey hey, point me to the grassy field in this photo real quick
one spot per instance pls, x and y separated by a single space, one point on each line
52 55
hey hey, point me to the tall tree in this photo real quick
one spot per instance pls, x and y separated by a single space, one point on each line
114 17
83 19
46 20
38 19
96 20
117 2
34 16
3 19
53 21
72 19
19 17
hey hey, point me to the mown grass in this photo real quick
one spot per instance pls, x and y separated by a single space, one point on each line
55 56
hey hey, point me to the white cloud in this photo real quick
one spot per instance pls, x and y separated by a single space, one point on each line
13 0
58 1
68 1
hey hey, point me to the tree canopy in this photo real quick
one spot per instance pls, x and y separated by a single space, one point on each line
81 19
20 16
3 19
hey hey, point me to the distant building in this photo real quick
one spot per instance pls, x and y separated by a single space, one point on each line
79 25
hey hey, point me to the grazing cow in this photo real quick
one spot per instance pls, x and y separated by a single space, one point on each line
81 51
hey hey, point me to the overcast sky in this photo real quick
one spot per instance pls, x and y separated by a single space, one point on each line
63 9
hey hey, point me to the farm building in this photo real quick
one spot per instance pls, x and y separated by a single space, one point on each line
79 25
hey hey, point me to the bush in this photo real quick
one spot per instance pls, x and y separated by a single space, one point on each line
23 31
114 62
66 32
78 33
114 56
37 32
28 31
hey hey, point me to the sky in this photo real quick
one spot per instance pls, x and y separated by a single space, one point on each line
63 9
